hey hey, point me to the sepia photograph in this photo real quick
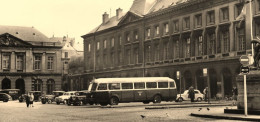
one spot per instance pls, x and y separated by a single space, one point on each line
129 60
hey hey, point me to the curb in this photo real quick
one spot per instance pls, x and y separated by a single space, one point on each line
224 117
187 106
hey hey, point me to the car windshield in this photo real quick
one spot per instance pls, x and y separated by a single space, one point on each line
94 87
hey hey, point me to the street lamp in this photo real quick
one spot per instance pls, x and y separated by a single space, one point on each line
178 76
205 74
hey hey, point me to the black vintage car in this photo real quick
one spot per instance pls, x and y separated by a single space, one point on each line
78 99
51 98
4 97
14 93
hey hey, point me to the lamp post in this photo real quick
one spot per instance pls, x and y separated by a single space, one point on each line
205 74
178 76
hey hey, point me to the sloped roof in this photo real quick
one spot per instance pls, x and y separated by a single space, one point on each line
29 34
140 8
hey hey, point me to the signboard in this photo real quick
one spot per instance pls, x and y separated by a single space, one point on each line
178 75
205 72
244 60
245 69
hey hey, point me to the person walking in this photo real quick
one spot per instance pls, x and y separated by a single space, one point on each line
31 99
27 100
191 94
235 93
206 93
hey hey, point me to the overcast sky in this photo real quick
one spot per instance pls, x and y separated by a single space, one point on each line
59 17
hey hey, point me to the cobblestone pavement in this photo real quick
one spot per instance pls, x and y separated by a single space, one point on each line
13 111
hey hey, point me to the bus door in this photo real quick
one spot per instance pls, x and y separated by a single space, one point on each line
127 92
139 91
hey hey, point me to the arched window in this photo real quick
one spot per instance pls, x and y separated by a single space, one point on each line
37 85
50 86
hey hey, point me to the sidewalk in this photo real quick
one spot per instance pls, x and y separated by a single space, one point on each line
218 113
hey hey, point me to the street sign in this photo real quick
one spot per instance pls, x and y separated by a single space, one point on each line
244 69
244 60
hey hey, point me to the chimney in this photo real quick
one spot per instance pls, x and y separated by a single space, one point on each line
119 13
105 17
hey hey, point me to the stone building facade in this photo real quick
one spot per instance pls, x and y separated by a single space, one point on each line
160 37
29 60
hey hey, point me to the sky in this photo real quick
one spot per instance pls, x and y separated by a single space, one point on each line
59 17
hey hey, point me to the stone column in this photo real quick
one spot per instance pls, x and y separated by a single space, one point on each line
43 62
12 63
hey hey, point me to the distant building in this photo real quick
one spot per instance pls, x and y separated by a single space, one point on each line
71 53
30 61
161 37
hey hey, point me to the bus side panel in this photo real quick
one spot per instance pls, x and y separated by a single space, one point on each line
127 96
173 94
140 95
117 94
165 94
151 94
101 96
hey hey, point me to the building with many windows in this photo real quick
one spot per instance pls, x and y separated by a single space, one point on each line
29 60
161 37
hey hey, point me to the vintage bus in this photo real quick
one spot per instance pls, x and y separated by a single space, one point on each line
142 89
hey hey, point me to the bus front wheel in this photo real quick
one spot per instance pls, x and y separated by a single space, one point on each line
157 99
114 101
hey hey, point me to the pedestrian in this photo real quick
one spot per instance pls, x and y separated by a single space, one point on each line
235 93
31 99
191 94
27 100
206 93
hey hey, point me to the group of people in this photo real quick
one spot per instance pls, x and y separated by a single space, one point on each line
191 94
29 100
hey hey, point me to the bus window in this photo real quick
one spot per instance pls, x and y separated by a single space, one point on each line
172 84
139 85
151 85
93 86
127 85
114 86
102 86
162 84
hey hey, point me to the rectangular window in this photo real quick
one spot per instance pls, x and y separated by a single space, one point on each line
157 52
6 61
225 40
212 43
172 85
114 86
157 31
200 45
50 63
120 40
241 39
136 35
151 84
37 62
19 62
105 44
148 53
186 22
139 85
198 19
102 86
239 8
98 45
128 37
112 42
176 26
120 57
166 51
177 48
105 60
66 54
127 85
211 17
128 56
148 32
136 53
188 50
89 47
112 58
162 84
225 14
166 28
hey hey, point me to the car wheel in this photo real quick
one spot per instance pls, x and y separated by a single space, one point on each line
114 101
157 99
180 99
57 103
146 102
43 101
49 101
199 99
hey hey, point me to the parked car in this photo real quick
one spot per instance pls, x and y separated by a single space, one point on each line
78 99
51 98
37 95
14 93
4 97
184 96
22 98
64 98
